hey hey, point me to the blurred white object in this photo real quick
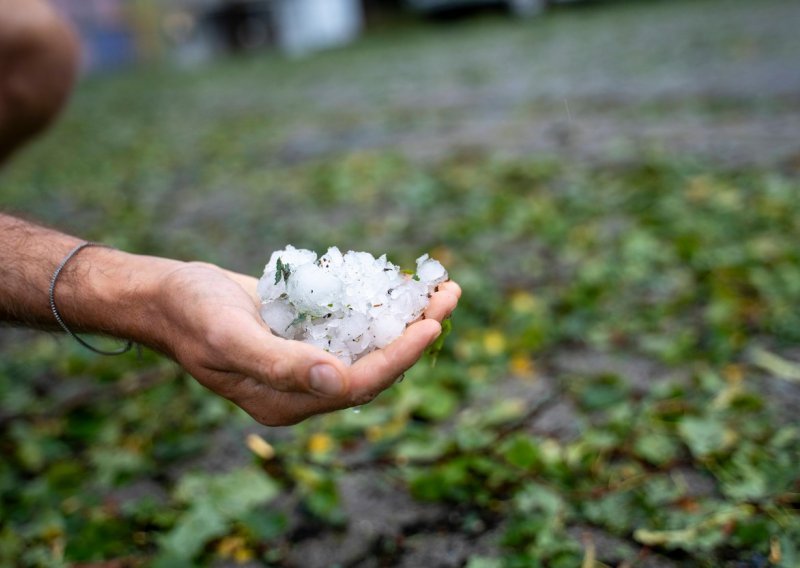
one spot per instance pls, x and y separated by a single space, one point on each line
305 26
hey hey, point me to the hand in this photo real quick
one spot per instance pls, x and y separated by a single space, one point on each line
212 327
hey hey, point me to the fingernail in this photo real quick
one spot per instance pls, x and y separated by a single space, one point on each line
326 380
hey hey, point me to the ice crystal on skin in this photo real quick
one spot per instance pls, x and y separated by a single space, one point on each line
347 304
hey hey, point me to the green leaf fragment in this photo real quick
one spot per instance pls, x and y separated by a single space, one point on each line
282 271
200 524
521 451
436 346
299 319
215 501
705 435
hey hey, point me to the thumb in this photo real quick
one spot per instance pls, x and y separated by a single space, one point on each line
292 366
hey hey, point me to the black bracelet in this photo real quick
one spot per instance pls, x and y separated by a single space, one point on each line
58 317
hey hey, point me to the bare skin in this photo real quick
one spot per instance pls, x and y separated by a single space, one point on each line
202 316
39 60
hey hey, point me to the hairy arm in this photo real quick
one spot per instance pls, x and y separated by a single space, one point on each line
93 291
204 317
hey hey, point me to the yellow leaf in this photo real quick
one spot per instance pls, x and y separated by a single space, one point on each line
243 555
320 443
522 366
375 433
776 365
733 373
523 302
228 545
494 342
590 556
234 547
775 555
260 447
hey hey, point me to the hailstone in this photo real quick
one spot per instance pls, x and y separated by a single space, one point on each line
347 304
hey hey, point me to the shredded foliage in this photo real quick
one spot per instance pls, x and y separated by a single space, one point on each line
623 364
282 271
438 345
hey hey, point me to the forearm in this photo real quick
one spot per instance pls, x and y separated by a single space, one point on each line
100 290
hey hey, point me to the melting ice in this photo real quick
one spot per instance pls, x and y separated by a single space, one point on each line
347 304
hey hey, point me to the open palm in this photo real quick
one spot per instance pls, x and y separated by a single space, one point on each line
212 327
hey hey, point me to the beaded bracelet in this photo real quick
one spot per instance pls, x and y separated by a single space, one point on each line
54 309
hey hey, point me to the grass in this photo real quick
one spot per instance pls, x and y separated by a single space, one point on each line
673 278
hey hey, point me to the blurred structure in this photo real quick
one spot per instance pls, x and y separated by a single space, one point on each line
308 25
106 30
520 8
198 29
118 32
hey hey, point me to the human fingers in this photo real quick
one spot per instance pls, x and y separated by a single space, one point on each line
372 374
284 365
366 379
379 370
451 287
443 302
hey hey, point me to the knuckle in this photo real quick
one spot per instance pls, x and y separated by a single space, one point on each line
218 342
200 265
280 374
215 339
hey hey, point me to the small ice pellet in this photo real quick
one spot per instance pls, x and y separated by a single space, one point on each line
386 330
313 290
347 304
278 315
430 270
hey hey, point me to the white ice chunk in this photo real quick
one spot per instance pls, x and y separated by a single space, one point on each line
278 316
313 290
347 304
331 260
430 271
293 257
386 330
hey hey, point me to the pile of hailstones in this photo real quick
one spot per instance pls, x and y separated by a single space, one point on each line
347 304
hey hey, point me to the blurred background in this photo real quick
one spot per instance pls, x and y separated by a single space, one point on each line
613 182
119 32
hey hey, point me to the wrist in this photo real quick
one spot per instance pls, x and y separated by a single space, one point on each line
107 291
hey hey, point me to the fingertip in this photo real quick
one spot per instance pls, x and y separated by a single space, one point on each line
442 305
452 287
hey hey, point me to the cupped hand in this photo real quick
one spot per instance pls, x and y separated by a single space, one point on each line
210 324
